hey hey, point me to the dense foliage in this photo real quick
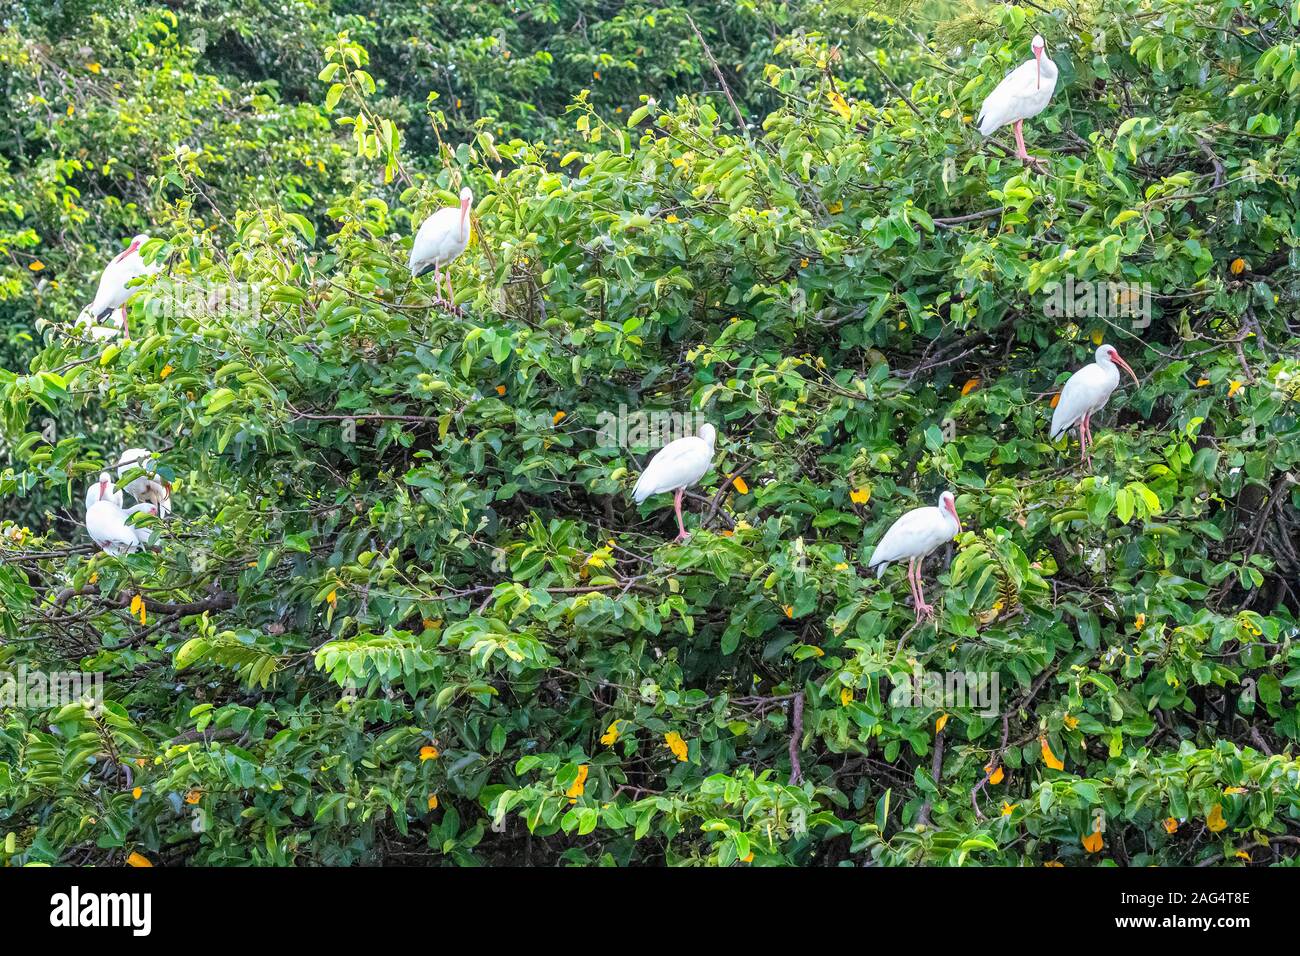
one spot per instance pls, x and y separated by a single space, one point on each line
406 610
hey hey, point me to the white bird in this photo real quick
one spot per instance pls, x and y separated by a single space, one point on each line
914 536
146 487
110 328
675 467
115 286
103 490
108 523
1086 393
1022 95
441 240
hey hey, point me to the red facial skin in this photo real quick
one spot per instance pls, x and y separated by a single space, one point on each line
129 249
1038 66
952 507
1114 357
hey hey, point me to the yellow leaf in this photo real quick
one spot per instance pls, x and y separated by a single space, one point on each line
1233 387
1056 399
93 67
1238 266
860 496
672 219
997 775
167 370
1231 791
1007 809
789 610
1171 825
70 109
941 723
610 736
332 599
841 566
1070 722
678 746
137 793
1202 382
428 753
1092 842
1140 622
1050 758
135 859
818 652
1243 855
803 263
558 417
193 797
595 75
839 105
750 858
1215 820
835 207
970 386
433 801
579 784
501 389
846 696
1096 336
739 484
1054 863
36 265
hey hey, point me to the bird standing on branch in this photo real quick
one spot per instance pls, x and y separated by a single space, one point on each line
914 536
440 241
1022 94
677 466
1086 393
116 286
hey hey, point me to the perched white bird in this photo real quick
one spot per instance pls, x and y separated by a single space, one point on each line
114 283
914 536
108 523
103 490
675 467
1086 393
441 240
146 487
1022 95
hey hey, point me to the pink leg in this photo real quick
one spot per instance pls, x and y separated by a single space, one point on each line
677 506
912 579
126 331
451 293
437 282
922 609
1085 439
1021 152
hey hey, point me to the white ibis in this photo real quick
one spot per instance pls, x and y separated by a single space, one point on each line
1086 393
115 286
146 487
1022 95
441 240
914 536
108 523
675 467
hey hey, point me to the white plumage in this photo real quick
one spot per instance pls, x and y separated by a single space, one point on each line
108 524
914 536
1086 393
107 329
1022 94
115 286
675 467
147 487
440 241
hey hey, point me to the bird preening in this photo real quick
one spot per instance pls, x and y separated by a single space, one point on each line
675 467
107 522
440 241
1086 393
914 536
1022 94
